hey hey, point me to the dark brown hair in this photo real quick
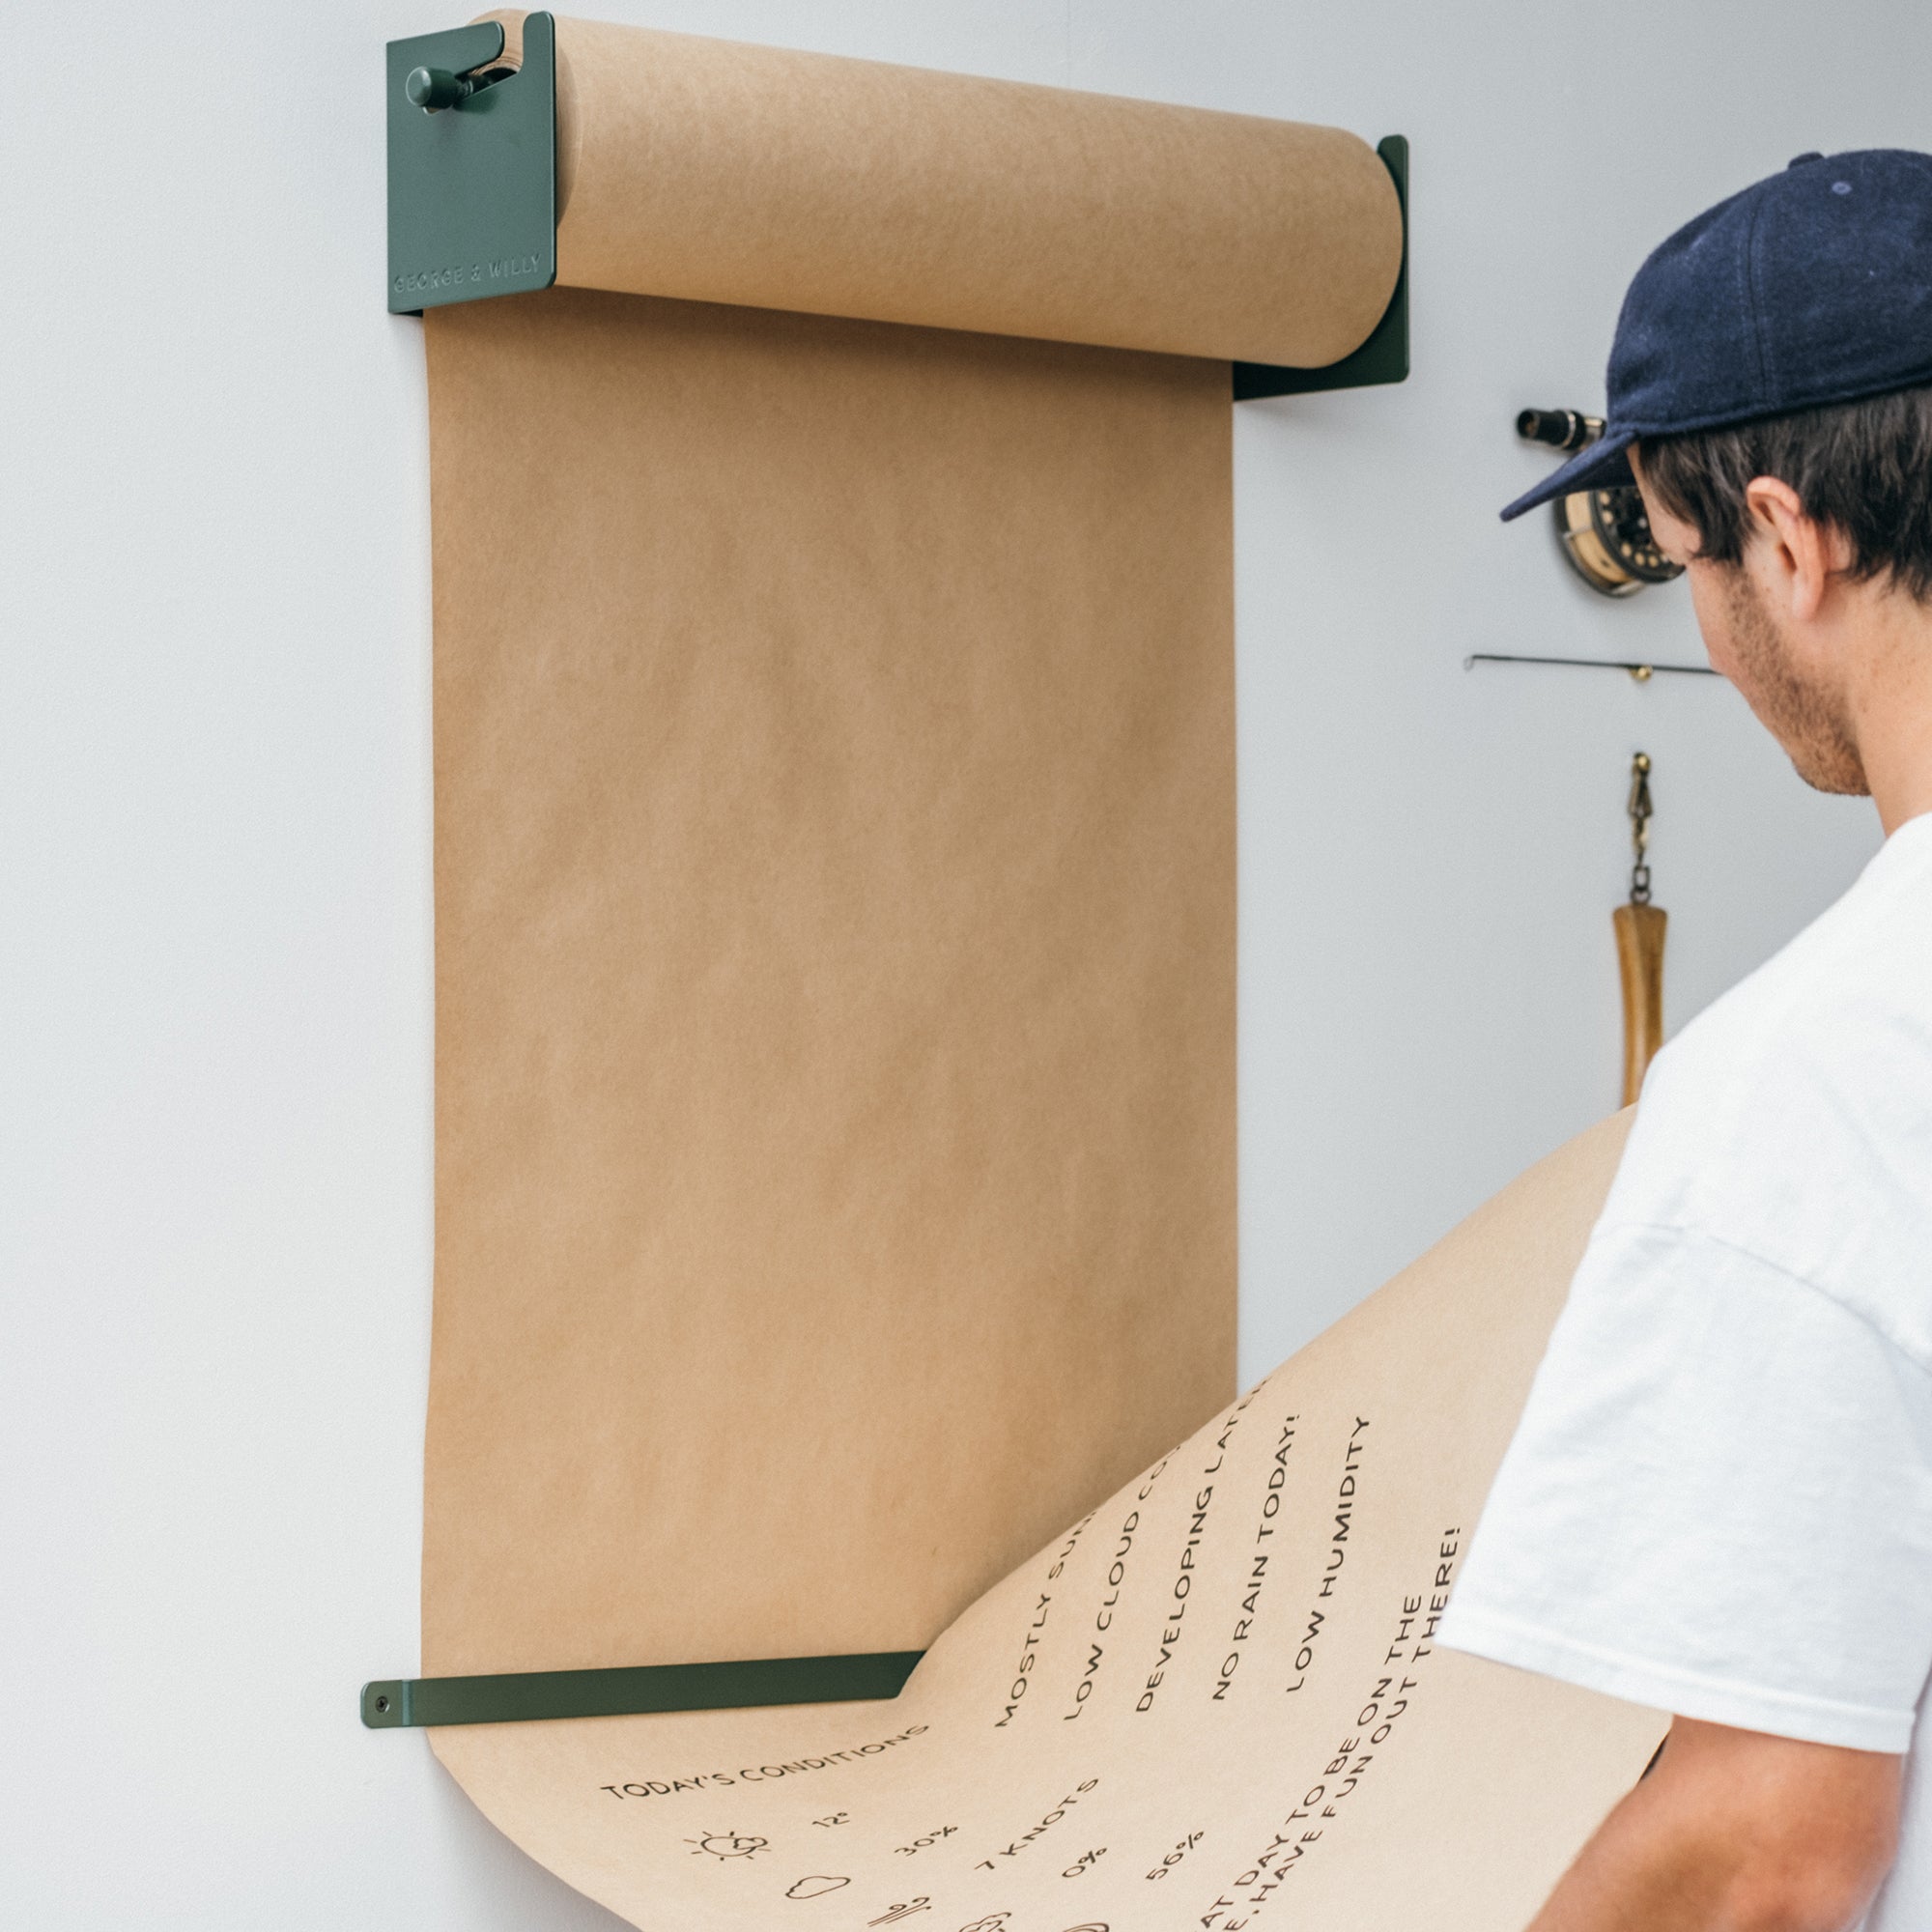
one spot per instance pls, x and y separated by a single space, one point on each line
1864 467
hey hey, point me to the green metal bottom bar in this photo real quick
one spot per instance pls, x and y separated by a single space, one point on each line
524 1696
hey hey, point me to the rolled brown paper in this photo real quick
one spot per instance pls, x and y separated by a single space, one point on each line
715 171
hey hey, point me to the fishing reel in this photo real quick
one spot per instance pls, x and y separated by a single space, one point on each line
1606 533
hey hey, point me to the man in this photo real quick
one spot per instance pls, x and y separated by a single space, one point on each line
1719 1501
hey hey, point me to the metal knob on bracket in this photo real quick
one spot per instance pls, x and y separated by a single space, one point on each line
434 88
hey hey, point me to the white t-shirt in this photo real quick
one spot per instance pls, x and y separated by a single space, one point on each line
1719 1501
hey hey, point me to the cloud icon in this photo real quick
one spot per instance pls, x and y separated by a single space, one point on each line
815 1887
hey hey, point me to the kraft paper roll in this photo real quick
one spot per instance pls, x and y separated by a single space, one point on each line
1214 1701
715 171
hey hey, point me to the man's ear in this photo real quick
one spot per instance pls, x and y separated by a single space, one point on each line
1793 556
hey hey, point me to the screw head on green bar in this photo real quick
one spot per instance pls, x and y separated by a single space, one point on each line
431 87
385 1705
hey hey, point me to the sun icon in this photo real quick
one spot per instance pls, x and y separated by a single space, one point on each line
727 1845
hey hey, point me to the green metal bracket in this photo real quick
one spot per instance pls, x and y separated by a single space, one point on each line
473 166
525 1695
1384 357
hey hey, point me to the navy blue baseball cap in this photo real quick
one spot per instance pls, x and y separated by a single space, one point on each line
1809 288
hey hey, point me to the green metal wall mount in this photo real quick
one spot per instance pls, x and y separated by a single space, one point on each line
1384 357
473 165
524 1696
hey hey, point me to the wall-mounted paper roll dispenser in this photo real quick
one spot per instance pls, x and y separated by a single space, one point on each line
1606 534
835 1214
875 310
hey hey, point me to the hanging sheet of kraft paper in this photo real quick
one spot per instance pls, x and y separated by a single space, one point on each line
835 967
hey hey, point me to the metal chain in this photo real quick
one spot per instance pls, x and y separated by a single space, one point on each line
1642 811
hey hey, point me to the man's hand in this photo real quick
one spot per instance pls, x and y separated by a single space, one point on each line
1737 1831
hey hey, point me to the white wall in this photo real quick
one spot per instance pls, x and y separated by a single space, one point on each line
214 963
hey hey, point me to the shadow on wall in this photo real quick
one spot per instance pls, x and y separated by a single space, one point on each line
505 1886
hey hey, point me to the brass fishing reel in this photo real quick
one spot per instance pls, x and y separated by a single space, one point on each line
1606 533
